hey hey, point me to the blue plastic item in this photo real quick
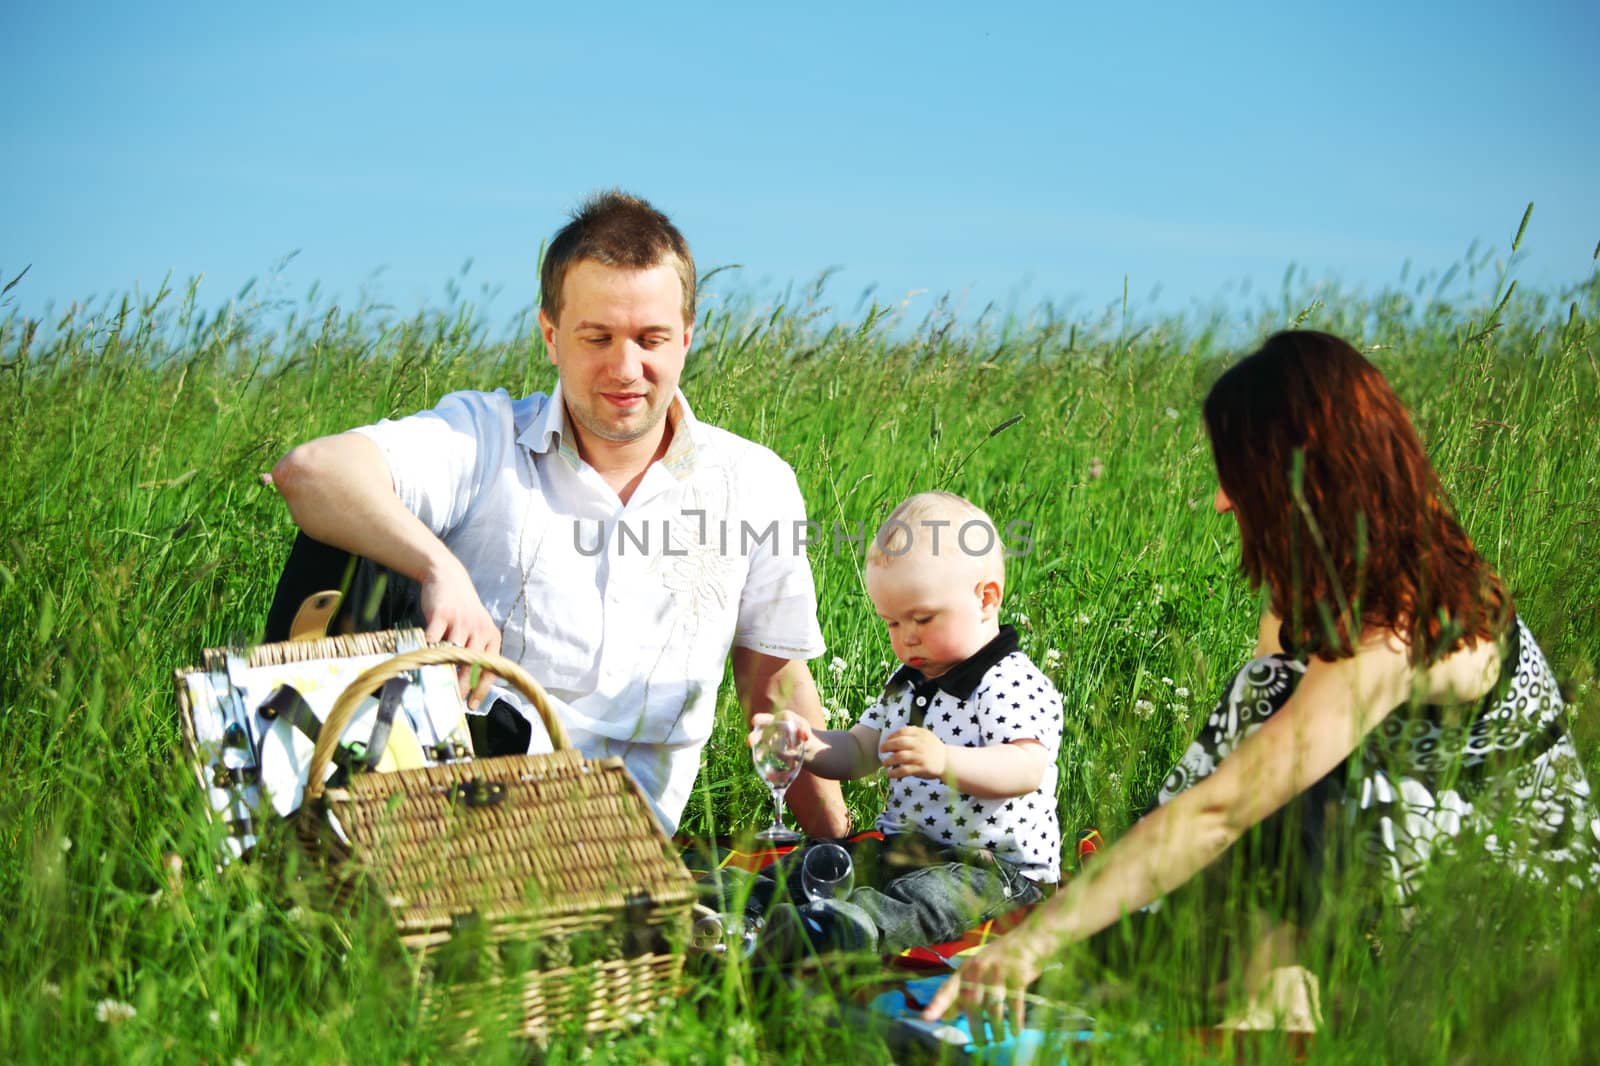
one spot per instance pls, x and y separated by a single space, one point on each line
903 1006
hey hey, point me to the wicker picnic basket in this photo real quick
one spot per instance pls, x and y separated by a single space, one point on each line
537 892
548 874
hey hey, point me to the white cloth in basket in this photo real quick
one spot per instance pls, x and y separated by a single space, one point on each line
434 714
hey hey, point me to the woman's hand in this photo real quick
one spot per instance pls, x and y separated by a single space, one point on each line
990 983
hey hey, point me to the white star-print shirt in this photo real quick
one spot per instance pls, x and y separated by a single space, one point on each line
1010 700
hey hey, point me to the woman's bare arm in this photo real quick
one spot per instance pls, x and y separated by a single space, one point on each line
1332 709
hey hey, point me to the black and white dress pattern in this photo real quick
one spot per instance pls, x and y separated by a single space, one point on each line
1507 772
996 696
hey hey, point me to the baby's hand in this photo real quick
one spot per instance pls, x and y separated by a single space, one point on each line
912 751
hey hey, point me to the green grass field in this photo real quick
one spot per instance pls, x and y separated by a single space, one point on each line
135 531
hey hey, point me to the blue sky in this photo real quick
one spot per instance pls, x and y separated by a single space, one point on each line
1008 152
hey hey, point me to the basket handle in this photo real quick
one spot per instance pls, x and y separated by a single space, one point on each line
344 708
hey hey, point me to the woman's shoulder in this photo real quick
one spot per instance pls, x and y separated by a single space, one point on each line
1465 675
1478 669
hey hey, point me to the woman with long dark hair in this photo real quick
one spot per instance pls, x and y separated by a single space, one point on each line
1395 703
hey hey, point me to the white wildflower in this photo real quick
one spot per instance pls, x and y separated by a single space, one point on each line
1021 620
838 666
113 1011
214 1016
1143 708
1114 778
1181 692
1052 658
1194 503
1083 618
295 915
51 990
1167 681
1157 589
1171 412
66 843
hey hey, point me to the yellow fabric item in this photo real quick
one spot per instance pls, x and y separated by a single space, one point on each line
404 751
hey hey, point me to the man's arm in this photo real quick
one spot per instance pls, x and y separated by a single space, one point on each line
767 684
340 491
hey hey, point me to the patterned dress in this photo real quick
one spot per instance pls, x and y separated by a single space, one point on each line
1505 772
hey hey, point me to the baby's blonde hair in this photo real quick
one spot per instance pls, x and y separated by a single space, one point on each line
944 527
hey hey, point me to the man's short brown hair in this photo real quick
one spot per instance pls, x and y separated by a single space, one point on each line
616 230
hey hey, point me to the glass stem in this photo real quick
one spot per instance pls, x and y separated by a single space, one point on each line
777 807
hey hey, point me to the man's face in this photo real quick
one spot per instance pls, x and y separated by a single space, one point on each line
619 349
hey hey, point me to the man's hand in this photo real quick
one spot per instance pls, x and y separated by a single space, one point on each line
339 490
912 751
454 614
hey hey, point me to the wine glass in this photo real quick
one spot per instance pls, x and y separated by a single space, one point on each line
826 872
778 754
725 933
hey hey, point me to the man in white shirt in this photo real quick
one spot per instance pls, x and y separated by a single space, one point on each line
617 547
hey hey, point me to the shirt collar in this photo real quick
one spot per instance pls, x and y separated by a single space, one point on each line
680 458
549 430
961 680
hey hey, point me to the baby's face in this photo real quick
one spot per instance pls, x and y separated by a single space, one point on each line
936 614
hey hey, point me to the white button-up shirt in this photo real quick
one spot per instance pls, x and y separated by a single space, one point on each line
625 613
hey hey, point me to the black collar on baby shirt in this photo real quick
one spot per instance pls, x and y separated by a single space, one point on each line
961 680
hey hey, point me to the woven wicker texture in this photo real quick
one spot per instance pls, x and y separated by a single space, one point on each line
345 646
550 870
538 891
607 995
567 841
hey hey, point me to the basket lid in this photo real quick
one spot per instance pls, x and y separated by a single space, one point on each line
516 837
